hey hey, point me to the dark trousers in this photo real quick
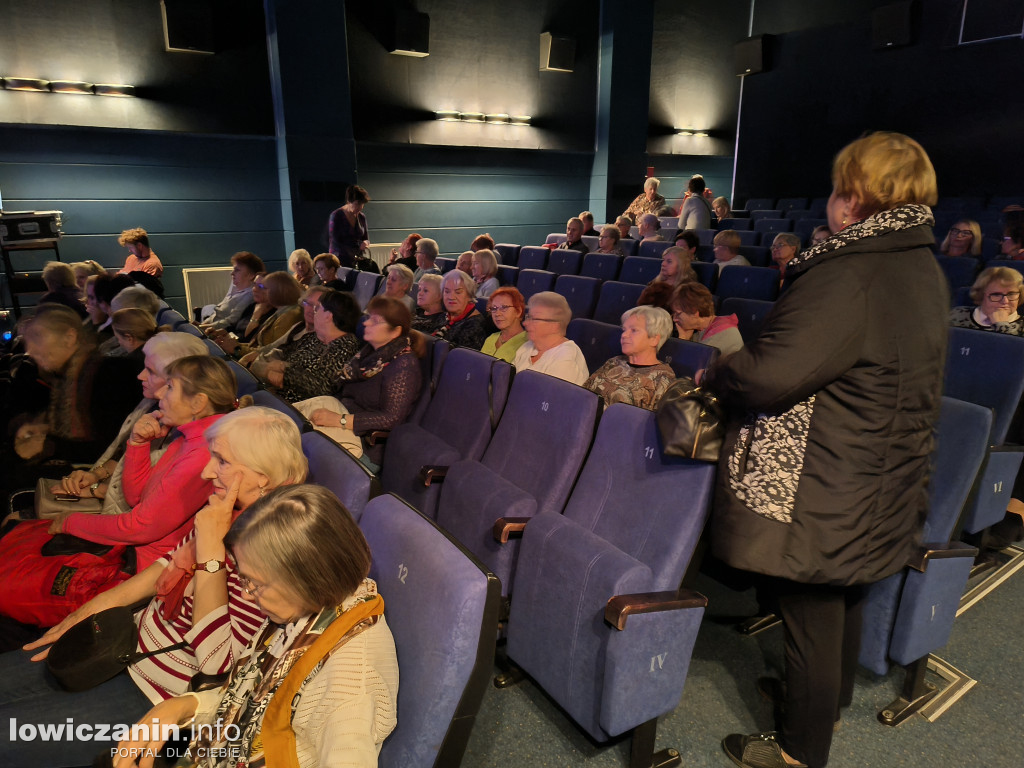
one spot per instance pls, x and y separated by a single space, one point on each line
822 629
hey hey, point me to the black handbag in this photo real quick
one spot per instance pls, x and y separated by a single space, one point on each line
97 648
690 421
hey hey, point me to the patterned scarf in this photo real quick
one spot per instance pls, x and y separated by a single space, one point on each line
899 218
70 396
368 362
279 665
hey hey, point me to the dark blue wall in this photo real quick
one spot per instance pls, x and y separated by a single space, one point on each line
201 198
453 194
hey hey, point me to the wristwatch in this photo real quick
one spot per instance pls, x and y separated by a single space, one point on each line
92 490
344 420
210 566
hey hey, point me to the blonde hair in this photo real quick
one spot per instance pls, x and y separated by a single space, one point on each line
265 441
486 257
882 171
57 274
730 238
975 228
207 375
1007 275
137 323
556 303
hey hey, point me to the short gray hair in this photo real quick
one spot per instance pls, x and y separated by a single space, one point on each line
405 272
652 182
486 257
265 441
788 238
467 281
574 220
137 297
169 346
650 217
57 274
429 248
555 302
431 279
657 321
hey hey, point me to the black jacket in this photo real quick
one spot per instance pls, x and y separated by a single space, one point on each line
823 477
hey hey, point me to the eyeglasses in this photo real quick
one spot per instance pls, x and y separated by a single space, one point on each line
999 298
261 286
309 303
960 232
528 316
496 309
779 246
251 588
375 320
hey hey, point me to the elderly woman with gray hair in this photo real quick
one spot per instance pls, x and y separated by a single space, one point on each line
648 201
547 349
464 325
997 294
637 377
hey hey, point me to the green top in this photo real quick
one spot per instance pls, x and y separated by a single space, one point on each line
508 349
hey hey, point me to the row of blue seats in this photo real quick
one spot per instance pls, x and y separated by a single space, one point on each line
952 204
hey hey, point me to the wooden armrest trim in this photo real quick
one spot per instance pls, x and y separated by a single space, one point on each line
919 560
381 435
430 473
621 607
506 527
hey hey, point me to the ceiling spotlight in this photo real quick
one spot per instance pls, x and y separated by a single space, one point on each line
113 89
520 119
447 115
472 117
70 86
26 84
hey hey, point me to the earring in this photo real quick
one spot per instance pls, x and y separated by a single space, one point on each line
263 491
844 221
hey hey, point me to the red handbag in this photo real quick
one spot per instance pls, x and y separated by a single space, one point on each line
43 589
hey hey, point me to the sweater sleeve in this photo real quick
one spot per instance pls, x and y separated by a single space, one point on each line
176 493
812 336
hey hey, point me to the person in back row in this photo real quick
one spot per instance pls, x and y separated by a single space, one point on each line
727 250
426 255
140 257
696 210
227 314
573 237
588 224
547 349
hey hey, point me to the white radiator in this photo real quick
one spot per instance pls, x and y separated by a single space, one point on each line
205 285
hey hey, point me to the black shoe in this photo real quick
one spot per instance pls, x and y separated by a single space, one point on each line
759 750
755 624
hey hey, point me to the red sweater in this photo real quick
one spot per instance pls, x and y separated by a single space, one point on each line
164 497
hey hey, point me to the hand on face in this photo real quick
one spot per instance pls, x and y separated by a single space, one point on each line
149 428
213 521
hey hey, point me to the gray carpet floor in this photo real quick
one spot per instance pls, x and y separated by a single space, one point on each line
520 726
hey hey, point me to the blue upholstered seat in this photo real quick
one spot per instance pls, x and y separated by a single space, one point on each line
748 283
598 341
707 273
687 357
441 606
910 614
565 262
652 249
629 528
431 365
533 257
639 270
581 293
336 469
750 313
760 203
508 253
270 400
247 383
603 266
457 424
959 270
533 281
365 287
529 466
615 298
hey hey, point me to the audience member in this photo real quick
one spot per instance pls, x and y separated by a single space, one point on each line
675 266
696 210
84 270
133 328
244 268
405 253
105 288
650 228
426 255
207 608
720 205
96 319
397 285
637 377
300 264
785 248
657 294
481 242
547 349
140 257
278 313
1012 247
464 325
430 314
727 250
573 237
648 201
608 241
964 239
306 563
485 273
693 311
465 262
347 232
313 366
588 224
377 389
624 225
820 233
997 295
506 307
326 266
62 288
258 362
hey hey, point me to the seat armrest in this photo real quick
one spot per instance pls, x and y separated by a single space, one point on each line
430 473
620 607
919 560
379 436
506 527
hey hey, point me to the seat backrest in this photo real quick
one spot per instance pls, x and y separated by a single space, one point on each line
615 298
338 471
215 351
706 236
445 264
961 444
365 287
748 237
639 270
564 261
581 293
734 223
507 275
533 281
759 255
804 227
706 273
652 249
508 253
772 225
647 504
759 203
986 368
442 607
431 365
189 329
246 382
270 400
629 245
598 341
468 401
556 238
687 357
593 242
543 437
1018 265
750 313
603 266
533 257
959 270
748 283
792 204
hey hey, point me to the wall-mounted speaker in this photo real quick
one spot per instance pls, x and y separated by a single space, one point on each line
557 54
188 26
894 25
411 34
751 55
